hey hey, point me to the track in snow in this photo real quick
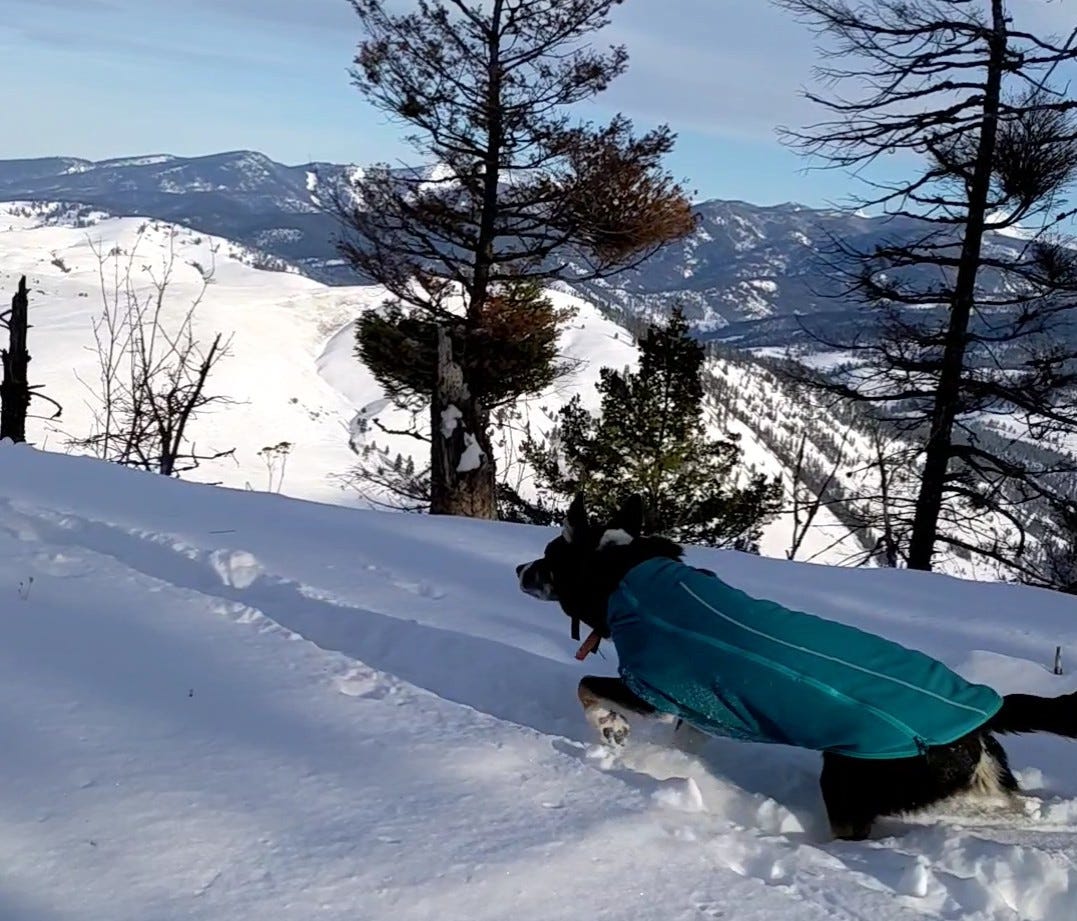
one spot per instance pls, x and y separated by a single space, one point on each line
752 811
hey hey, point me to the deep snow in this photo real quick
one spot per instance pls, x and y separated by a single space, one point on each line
222 704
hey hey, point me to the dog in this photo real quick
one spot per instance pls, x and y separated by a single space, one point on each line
870 767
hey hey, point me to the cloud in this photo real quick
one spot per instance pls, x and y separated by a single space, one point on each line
129 35
116 48
712 69
39 6
162 25
737 71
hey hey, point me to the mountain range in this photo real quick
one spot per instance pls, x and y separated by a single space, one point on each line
748 274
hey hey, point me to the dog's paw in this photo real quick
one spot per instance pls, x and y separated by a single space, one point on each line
610 725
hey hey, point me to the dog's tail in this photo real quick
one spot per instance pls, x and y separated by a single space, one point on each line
1029 713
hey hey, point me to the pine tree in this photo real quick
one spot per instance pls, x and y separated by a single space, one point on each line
651 438
520 193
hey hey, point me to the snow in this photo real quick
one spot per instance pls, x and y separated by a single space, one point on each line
437 177
293 377
450 419
280 323
1016 231
759 398
472 457
151 160
359 427
755 297
222 704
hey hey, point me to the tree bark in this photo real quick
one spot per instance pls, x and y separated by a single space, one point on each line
15 387
491 178
462 473
937 455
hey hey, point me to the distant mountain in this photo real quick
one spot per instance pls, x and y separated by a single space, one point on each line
747 275
243 196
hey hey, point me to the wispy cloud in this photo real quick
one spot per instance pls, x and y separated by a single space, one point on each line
719 67
208 74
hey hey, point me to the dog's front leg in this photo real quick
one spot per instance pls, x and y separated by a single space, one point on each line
602 699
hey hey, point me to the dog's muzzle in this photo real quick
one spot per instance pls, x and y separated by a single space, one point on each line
535 581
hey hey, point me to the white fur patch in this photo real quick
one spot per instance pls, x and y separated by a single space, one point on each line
616 538
985 780
611 726
984 789
539 590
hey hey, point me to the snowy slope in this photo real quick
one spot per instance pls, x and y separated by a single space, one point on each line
278 321
292 375
219 704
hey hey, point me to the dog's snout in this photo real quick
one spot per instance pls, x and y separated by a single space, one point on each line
535 581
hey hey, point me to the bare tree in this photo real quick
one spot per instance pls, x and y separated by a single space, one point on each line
392 479
967 326
888 545
387 479
879 509
275 458
517 194
1054 565
16 392
809 497
152 369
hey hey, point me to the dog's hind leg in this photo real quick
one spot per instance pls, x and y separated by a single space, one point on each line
856 790
995 755
849 787
603 699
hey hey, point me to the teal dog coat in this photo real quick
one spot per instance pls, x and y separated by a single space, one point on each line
729 664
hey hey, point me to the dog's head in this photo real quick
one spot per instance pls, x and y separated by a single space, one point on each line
578 569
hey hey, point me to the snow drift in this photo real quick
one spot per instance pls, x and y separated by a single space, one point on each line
221 704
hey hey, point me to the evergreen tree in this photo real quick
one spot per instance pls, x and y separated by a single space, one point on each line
650 438
516 193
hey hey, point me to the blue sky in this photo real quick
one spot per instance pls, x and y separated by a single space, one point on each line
103 78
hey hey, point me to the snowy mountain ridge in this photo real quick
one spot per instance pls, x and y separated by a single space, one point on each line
747 275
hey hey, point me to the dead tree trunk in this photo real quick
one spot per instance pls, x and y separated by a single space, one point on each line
15 386
939 449
462 480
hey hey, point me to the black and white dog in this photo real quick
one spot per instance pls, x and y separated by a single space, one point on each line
585 565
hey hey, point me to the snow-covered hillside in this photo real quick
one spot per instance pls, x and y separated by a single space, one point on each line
279 323
292 375
749 273
217 704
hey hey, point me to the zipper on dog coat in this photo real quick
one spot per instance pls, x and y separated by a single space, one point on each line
692 645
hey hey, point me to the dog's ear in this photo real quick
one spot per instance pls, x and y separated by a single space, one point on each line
575 525
629 517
